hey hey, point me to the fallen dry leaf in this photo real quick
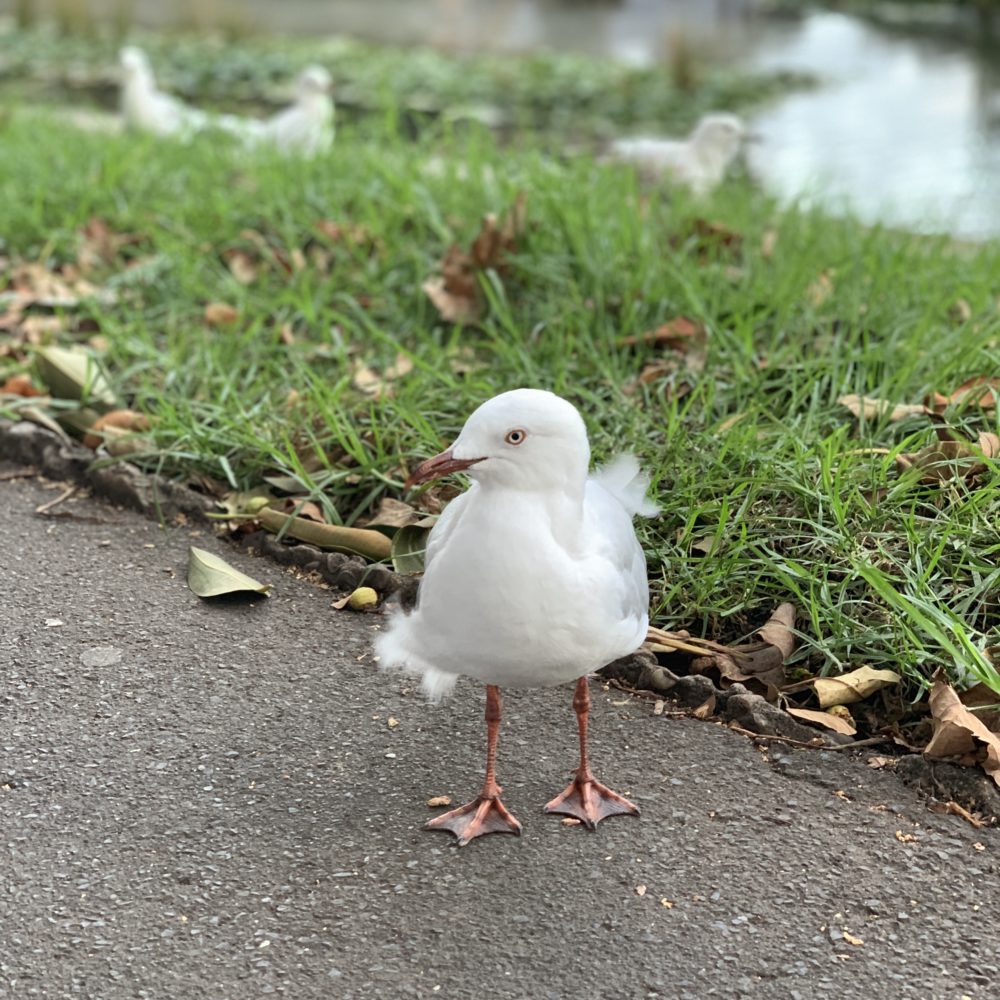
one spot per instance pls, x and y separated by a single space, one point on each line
946 460
961 311
852 940
825 719
456 292
757 665
298 507
100 245
710 234
241 266
640 890
706 709
980 390
820 289
952 808
391 513
958 733
768 242
20 385
675 334
376 386
877 761
870 408
115 423
905 838
438 800
221 314
855 685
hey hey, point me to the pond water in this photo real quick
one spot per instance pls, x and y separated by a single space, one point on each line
901 129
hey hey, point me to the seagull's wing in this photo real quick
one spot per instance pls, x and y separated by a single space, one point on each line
654 154
614 495
445 525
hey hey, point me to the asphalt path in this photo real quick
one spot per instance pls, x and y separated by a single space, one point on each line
225 799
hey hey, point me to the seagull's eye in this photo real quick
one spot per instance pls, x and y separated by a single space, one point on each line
516 436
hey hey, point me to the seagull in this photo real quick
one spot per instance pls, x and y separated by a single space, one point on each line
700 161
533 577
304 128
147 109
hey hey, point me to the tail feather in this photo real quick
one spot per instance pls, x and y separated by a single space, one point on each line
628 484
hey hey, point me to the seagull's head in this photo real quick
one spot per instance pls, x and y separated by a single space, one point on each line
314 80
523 439
133 61
719 135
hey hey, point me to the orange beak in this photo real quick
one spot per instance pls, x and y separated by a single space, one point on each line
438 466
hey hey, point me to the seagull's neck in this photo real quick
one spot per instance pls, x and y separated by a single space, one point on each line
562 509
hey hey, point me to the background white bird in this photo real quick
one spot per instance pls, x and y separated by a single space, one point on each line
700 161
304 128
145 108
533 577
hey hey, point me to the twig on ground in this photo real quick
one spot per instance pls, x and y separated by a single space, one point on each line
65 495
28 472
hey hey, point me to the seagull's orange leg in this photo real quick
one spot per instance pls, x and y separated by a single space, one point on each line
485 813
587 799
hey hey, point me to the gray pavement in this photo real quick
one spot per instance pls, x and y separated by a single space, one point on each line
219 807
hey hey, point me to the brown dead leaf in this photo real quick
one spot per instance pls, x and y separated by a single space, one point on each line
952 808
961 311
391 513
706 709
438 800
870 407
456 293
299 507
980 390
855 942
715 234
855 685
241 266
347 233
905 838
946 460
101 246
877 761
958 733
115 423
20 385
760 666
825 719
676 334
403 365
221 314
369 382
986 702
820 289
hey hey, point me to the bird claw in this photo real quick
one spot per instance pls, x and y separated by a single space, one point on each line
476 819
587 800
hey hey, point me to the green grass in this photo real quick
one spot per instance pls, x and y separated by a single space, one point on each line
884 569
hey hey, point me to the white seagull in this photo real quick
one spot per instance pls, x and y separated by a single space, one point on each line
533 577
304 128
700 161
148 109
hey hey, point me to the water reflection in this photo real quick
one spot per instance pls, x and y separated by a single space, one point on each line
903 131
